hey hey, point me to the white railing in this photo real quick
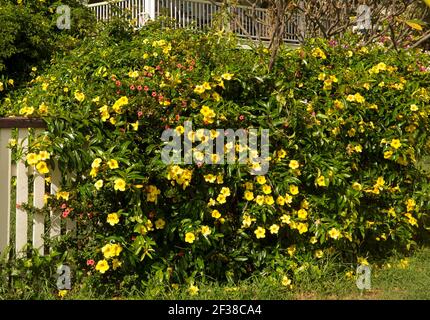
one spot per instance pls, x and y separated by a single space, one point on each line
27 229
245 21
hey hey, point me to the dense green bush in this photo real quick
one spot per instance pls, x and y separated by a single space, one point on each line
29 35
347 126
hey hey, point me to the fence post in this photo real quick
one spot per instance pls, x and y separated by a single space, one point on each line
21 224
5 189
150 8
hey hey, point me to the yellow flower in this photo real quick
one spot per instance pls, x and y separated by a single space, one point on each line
294 190
62 195
96 163
260 233
356 186
227 76
104 113
215 158
160 224
61 293
211 202
302 214
350 98
280 200
319 254
362 261
33 159
404 263
108 251
313 240
358 148
286 219
119 104
98 184
216 214
410 205
247 221
119 184
112 219
334 233
411 220
93 172
193 290
44 155
261 179
294 164
388 154
338 104
199 89
414 107
291 250
269 200
135 126
321 181
318 53
395 143
259 200
206 86
133 74
210 178
190 237
225 191
79 96
113 164
248 195
274 229
302 227
153 193
380 181
180 129
221 198
206 231
43 108
286 281
359 98
281 154
102 266
116 264
42 167
267 189
288 198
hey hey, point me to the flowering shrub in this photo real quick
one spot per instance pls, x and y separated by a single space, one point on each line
348 126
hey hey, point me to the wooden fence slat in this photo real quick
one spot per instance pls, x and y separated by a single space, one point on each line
55 214
5 189
21 196
38 219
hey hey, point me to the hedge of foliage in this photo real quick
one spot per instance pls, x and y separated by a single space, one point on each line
348 125
29 36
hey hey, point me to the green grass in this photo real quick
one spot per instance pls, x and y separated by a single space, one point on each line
395 282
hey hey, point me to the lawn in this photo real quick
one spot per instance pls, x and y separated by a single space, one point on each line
397 280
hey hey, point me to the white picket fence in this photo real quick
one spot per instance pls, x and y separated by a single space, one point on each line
246 21
27 231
